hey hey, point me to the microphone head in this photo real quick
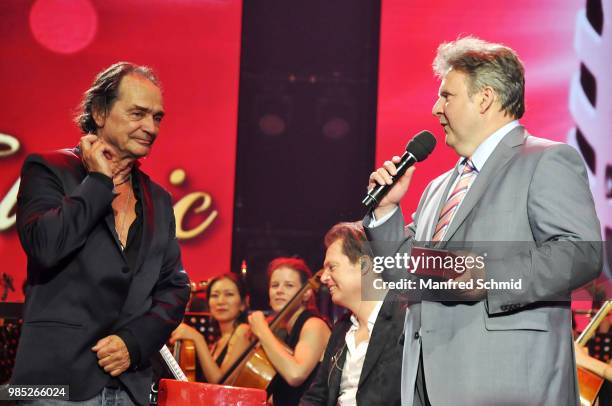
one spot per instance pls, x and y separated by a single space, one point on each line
421 145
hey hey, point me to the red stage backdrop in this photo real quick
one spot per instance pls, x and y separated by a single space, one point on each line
51 50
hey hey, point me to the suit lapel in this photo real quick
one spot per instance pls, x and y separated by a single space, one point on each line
498 159
377 340
109 219
148 217
337 363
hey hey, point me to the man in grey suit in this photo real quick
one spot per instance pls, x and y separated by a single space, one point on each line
528 201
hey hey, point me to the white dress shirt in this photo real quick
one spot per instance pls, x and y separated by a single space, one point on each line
355 356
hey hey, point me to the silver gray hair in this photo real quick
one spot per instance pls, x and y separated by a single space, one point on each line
486 64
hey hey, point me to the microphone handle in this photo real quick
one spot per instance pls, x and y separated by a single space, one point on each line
377 193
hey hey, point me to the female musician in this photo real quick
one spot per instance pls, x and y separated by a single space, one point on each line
307 333
584 360
227 303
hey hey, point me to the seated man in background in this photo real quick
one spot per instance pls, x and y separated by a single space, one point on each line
362 362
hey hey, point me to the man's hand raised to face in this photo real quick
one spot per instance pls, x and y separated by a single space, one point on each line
100 156
97 155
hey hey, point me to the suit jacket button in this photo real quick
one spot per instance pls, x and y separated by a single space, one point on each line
125 269
416 335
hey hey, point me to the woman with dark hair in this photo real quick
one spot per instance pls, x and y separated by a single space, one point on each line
297 357
228 304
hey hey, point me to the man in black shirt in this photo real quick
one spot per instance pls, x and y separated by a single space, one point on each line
106 283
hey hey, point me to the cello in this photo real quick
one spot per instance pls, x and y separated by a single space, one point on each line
253 369
185 355
184 350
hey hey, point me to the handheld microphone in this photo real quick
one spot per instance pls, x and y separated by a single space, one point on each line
418 148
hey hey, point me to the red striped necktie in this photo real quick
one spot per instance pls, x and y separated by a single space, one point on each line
454 200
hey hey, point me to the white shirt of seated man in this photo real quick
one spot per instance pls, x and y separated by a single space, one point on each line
355 356
344 278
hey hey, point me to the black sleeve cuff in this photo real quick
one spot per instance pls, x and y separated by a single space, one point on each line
108 182
132 346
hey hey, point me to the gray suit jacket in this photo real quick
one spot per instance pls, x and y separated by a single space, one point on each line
532 208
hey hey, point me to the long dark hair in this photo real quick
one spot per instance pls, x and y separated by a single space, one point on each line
242 292
105 90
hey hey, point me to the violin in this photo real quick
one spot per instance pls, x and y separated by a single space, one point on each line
253 369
